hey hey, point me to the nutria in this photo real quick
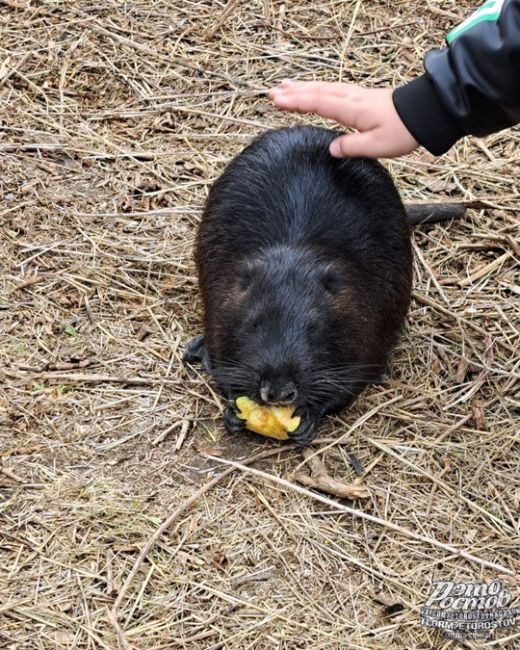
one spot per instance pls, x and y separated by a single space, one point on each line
305 270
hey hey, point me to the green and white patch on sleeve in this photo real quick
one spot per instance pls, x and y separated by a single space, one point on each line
490 11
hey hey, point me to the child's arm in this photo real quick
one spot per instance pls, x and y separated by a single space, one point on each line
470 87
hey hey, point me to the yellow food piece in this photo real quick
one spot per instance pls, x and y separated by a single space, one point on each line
270 421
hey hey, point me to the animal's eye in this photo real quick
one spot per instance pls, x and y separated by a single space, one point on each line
312 327
256 322
245 278
331 282
247 272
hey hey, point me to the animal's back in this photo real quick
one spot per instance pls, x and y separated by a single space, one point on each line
286 189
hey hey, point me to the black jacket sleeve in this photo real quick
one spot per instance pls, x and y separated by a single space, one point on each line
470 87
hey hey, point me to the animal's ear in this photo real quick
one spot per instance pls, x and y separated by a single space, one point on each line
332 280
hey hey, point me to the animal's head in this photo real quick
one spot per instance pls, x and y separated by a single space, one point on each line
289 331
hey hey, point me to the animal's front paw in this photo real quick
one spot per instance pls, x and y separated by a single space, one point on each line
308 427
232 422
384 375
195 352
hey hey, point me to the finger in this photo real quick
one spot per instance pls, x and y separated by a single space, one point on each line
332 88
356 145
332 107
283 86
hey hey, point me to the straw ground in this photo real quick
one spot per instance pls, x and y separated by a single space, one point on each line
116 528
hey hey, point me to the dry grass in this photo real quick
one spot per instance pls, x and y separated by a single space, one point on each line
114 120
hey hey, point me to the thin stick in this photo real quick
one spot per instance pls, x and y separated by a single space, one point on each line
337 441
426 300
120 634
113 615
101 379
480 273
364 515
227 11
178 511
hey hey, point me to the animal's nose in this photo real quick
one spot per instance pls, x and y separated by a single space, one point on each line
273 394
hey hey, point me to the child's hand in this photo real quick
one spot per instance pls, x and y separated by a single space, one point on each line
381 133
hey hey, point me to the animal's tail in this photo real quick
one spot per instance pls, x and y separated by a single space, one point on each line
417 213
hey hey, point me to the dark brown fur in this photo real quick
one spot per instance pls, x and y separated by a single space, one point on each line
304 266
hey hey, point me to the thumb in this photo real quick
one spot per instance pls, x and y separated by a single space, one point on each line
354 145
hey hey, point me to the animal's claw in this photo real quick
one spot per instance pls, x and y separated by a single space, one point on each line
307 428
232 422
300 411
